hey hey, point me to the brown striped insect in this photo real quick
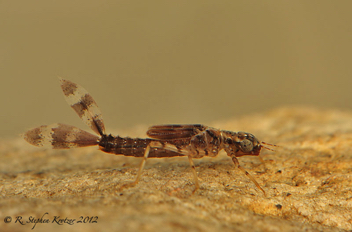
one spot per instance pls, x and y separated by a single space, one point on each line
193 141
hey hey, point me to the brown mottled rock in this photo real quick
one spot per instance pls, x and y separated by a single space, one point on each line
308 182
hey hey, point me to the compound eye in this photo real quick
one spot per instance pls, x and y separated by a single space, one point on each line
246 145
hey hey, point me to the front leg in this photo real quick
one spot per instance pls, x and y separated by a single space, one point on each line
235 161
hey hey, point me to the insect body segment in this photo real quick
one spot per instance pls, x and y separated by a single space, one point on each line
193 141
134 147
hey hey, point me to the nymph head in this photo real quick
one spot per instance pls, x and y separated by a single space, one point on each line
242 143
247 144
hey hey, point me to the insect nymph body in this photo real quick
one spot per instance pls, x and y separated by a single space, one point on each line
193 141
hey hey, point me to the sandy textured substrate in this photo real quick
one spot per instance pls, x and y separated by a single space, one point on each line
308 183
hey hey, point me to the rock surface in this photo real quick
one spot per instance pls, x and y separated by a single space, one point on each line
308 183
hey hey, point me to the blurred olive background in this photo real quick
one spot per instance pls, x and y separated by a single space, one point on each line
157 62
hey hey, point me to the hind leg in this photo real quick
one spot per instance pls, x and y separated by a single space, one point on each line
141 167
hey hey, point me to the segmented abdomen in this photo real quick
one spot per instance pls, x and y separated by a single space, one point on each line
133 147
